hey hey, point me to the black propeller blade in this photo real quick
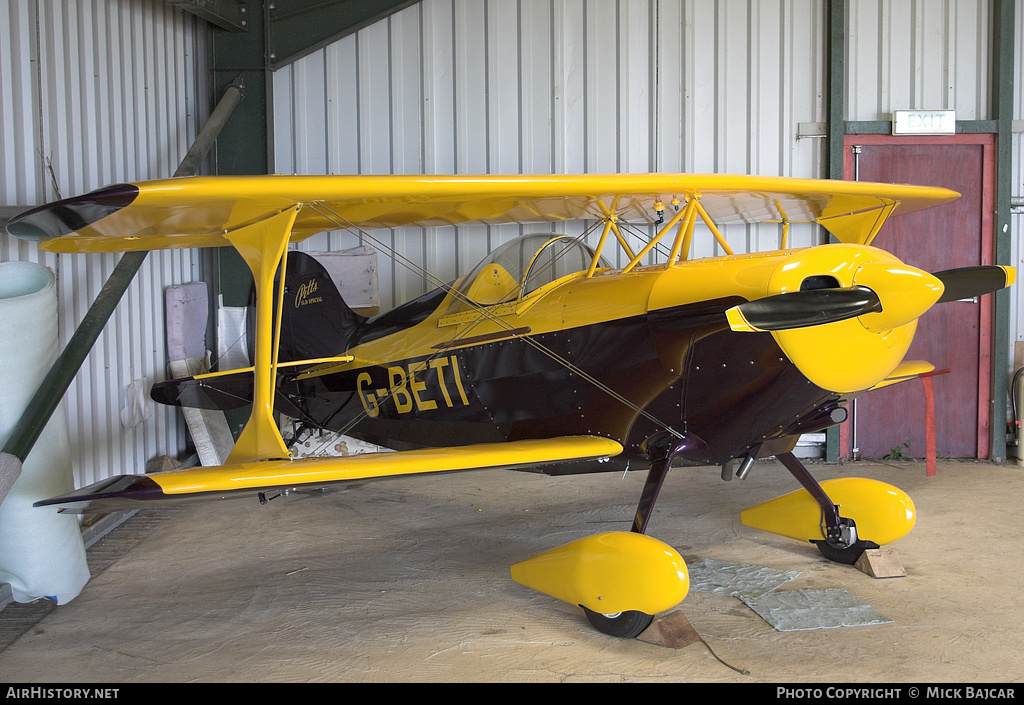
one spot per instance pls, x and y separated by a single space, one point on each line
968 282
801 309
910 293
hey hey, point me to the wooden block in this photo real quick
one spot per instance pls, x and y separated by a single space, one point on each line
672 630
161 463
881 563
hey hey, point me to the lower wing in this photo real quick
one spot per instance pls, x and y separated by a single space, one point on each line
134 491
906 370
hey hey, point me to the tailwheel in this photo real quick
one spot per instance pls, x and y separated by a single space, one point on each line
626 625
846 555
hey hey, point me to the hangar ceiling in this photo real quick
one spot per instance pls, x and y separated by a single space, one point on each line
293 28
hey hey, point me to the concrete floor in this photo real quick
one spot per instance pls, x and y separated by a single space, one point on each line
408 580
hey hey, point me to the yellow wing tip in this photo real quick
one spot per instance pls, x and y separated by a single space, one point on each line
906 370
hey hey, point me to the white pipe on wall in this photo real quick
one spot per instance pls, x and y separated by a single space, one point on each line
41 552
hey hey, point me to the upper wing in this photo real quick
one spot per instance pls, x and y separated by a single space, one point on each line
198 211
133 491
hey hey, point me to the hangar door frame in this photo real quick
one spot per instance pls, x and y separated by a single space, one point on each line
987 255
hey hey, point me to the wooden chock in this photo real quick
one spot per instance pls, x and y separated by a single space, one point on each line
881 563
672 630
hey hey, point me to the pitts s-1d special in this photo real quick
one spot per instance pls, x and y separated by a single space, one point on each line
544 355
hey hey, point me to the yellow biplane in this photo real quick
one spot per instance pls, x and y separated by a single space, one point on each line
545 356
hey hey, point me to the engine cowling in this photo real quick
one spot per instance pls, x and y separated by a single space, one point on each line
857 353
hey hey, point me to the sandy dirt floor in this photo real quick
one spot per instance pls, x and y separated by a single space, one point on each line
408 580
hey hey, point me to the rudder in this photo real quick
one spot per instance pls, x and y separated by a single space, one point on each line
315 320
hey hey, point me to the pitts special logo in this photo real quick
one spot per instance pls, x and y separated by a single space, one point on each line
305 293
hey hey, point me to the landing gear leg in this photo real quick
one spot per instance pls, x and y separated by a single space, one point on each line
652 486
632 623
841 543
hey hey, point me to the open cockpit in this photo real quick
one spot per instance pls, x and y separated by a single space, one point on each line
521 266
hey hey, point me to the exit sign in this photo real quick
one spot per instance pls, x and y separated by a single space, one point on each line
924 122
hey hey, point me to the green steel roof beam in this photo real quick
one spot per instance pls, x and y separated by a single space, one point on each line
299 27
226 14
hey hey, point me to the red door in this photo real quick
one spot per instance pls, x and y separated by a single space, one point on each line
955 335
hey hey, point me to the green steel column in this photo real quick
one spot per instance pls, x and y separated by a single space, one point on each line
243 147
836 88
836 91
1003 18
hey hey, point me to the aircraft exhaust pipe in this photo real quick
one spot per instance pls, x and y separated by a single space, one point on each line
745 466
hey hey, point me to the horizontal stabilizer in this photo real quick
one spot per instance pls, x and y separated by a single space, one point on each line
133 491
232 389
219 391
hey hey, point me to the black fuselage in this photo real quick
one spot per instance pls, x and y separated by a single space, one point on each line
625 379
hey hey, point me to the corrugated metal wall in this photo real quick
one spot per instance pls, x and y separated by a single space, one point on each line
563 86
919 54
93 93
555 86
922 54
104 91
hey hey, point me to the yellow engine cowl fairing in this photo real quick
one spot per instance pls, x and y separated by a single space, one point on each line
858 353
847 356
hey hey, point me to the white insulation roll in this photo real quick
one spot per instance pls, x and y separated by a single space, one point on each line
41 552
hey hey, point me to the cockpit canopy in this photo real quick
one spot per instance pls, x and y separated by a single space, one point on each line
522 266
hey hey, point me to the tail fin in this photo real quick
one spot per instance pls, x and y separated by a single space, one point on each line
315 321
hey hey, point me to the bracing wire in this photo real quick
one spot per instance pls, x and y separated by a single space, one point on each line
343 222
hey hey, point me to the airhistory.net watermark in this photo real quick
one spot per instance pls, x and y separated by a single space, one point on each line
48 693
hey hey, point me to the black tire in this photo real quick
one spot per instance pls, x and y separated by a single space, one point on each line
625 625
846 556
